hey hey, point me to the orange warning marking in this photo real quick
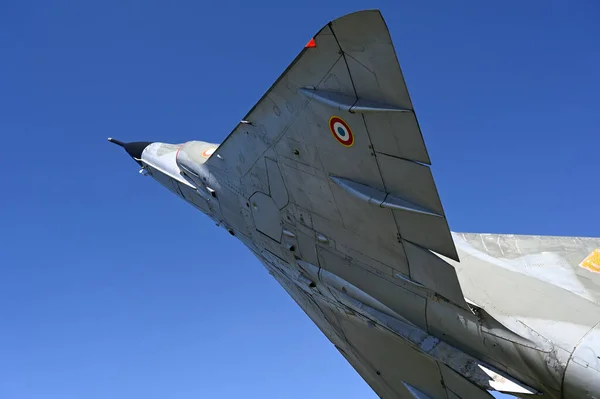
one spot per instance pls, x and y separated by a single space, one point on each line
208 152
592 262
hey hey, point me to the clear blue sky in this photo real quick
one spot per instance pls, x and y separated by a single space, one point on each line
111 287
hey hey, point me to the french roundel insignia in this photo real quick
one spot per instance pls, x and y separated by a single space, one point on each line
341 131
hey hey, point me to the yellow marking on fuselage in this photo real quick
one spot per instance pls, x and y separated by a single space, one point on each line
592 261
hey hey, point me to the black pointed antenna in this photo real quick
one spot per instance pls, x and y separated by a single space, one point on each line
134 148
117 142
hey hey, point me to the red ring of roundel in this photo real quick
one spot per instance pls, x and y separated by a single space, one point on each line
350 140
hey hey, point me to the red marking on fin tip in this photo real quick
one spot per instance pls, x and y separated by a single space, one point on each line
311 43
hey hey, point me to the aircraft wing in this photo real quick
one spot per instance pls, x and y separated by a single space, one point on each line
335 164
376 194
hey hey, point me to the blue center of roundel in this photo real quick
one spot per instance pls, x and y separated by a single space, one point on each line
341 131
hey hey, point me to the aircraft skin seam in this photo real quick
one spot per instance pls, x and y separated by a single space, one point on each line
426 308
564 374
343 54
370 366
281 174
282 133
408 94
402 158
371 147
439 369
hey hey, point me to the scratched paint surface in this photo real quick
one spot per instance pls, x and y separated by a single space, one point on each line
592 261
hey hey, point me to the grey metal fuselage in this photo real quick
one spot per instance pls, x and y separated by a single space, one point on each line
532 321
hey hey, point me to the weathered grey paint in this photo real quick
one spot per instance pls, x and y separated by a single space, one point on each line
357 235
